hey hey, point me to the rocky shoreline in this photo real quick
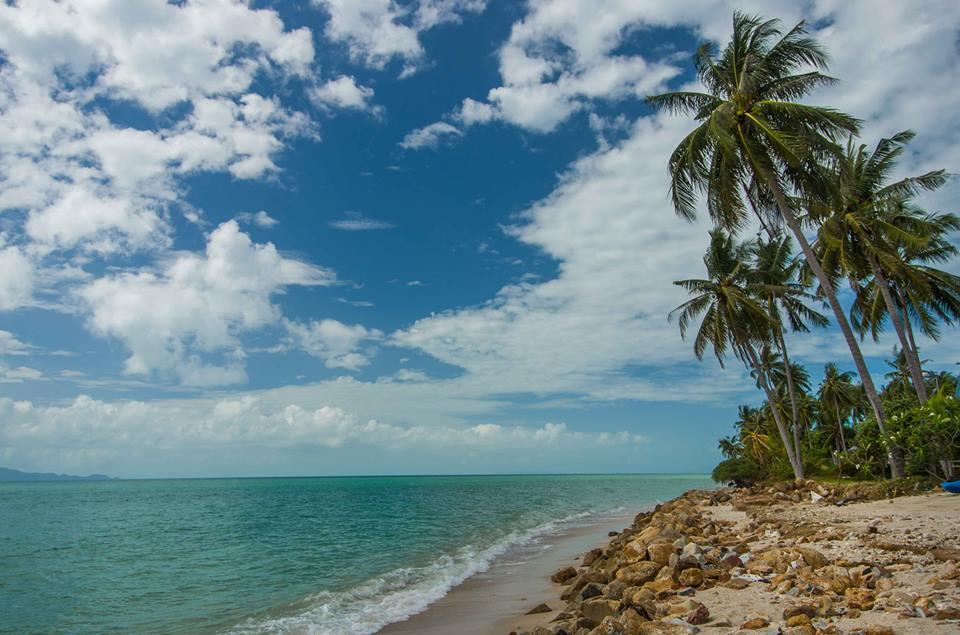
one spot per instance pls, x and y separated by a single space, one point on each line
795 558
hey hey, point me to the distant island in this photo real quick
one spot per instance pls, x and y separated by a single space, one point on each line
6 475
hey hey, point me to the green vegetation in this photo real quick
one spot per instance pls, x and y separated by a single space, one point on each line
762 157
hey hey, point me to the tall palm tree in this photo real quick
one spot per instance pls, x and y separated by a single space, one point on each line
838 396
731 318
785 296
864 219
755 143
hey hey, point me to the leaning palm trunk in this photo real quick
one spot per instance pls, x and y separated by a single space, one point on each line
751 356
909 351
894 452
843 441
792 390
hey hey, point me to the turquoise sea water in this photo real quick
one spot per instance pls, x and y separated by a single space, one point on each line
280 555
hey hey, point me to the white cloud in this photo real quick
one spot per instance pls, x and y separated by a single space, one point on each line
16 278
430 136
248 421
10 345
105 224
359 223
336 343
343 92
260 219
377 31
9 375
196 305
90 183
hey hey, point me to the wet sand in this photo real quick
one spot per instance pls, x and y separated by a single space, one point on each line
495 602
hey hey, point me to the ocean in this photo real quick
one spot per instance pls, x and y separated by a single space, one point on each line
339 555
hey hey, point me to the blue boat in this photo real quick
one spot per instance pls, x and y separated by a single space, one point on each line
953 486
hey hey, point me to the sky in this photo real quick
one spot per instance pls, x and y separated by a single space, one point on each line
371 236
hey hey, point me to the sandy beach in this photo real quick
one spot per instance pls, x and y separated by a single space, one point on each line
496 601
775 560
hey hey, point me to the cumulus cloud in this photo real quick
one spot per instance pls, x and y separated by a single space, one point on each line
377 31
336 343
430 136
196 305
343 92
90 183
16 278
246 421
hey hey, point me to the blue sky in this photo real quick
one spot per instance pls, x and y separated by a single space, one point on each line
366 236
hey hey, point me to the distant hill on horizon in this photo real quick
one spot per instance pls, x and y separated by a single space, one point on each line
7 474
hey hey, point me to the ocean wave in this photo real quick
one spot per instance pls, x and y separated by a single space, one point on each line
397 595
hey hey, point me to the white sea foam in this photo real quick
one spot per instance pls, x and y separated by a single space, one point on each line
397 595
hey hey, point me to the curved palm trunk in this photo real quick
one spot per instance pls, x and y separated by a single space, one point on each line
894 452
836 407
792 390
910 352
751 355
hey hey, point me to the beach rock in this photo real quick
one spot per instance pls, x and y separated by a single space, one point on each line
615 590
946 554
807 609
631 620
755 624
609 626
699 615
737 584
691 577
799 620
590 590
813 557
639 573
660 552
876 629
598 608
858 598
564 575
540 608
947 612
591 556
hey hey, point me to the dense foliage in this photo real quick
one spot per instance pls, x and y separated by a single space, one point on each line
762 157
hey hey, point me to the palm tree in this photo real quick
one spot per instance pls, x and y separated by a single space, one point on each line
838 396
752 430
864 220
729 447
920 292
731 318
755 142
784 296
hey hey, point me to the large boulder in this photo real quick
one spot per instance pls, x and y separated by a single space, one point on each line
639 573
564 575
597 608
660 552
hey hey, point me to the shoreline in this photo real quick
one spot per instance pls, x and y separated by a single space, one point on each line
496 601
798 559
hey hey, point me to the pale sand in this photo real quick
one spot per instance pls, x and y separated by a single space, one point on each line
931 520
494 602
